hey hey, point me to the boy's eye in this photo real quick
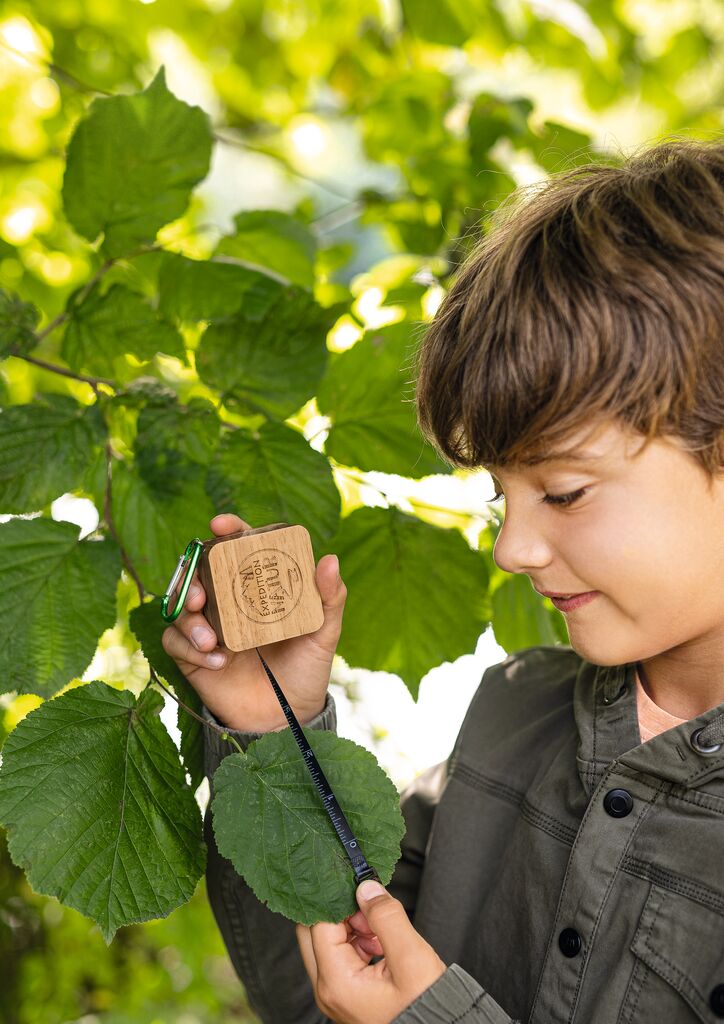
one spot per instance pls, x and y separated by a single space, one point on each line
552 499
565 499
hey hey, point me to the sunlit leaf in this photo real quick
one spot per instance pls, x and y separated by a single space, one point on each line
132 163
103 328
368 395
420 591
273 239
273 475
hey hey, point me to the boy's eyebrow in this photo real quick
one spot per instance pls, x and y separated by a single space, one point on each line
569 456
562 456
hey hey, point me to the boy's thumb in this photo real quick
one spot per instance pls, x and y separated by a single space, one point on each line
333 593
330 585
385 915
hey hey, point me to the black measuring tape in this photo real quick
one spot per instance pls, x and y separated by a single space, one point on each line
357 859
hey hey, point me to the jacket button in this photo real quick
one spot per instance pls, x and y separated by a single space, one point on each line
618 803
716 1001
570 942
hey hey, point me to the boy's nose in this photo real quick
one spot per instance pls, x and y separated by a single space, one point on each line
521 550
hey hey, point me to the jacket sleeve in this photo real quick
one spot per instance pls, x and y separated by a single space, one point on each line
263 945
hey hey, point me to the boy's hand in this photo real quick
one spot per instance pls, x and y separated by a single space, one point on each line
238 692
347 987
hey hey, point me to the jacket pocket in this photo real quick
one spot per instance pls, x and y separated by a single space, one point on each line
678 975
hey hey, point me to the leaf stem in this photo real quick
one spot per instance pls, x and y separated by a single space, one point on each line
209 725
93 381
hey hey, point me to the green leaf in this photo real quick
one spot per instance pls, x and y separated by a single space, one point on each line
18 321
45 448
267 361
269 821
273 475
193 290
368 396
132 163
520 616
155 525
419 590
148 626
406 117
273 239
557 147
57 596
172 441
447 22
103 328
97 809
491 118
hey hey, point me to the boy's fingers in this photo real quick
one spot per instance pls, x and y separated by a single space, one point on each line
359 923
304 939
182 650
195 627
227 522
332 950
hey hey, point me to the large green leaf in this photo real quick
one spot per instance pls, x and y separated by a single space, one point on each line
103 328
417 595
172 441
520 616
97 809
132 163
57 596
156 525
368 396
273 239
267 360
273 475
269 821
146 622
192 290
45 448
18 321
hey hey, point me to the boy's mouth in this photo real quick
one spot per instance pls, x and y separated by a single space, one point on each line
570 604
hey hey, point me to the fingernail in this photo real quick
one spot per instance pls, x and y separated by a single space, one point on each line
369 889
216 660
199 636
336 564
194 592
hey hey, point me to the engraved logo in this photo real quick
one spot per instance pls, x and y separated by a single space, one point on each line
268 585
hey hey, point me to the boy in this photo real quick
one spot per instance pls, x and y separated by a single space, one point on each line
566 864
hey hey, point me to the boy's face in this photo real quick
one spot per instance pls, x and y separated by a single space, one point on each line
647 534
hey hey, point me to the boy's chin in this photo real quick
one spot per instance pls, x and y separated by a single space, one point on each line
604 655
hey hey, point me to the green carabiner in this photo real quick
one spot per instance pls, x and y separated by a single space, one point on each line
192 552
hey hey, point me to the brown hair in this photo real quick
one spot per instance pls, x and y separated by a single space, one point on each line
601 297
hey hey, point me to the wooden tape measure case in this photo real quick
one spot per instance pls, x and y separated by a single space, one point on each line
260 586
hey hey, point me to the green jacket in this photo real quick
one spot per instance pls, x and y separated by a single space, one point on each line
565 871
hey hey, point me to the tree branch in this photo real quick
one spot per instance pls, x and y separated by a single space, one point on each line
209 725
93 381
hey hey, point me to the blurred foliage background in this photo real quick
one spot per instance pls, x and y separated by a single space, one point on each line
390 129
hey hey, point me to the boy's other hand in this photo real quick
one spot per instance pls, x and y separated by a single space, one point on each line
347 987
233 685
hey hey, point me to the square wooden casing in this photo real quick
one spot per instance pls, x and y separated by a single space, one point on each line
260 586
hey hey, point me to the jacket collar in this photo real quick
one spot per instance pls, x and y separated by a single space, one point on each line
606 713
